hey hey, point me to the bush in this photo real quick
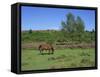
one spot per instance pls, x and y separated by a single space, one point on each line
30 31
57 36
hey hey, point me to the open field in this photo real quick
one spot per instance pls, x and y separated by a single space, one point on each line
72 50
62 58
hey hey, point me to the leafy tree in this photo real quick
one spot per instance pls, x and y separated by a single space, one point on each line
72 25
69 25
30 31
80 25
73 28
93 30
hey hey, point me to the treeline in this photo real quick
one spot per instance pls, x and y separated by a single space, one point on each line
58 36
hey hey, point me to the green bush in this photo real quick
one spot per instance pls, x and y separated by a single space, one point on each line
57 36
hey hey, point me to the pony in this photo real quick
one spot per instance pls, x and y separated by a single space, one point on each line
46 47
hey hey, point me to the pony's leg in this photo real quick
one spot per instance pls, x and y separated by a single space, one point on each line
48 51
41 51
52 51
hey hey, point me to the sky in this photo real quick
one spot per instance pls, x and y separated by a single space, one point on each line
41 18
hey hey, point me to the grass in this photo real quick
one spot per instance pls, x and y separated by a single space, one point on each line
62 58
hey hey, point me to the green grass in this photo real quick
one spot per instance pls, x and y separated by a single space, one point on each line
62 58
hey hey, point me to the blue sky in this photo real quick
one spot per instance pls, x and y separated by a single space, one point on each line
40 18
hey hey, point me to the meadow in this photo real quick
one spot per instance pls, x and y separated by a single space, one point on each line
62 58
72 50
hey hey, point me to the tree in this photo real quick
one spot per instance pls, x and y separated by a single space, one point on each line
72 25
69 25
93 30
30 31
80 25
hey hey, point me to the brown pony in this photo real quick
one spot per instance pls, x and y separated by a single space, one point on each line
46 47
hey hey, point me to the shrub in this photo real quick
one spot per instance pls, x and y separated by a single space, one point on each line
30 31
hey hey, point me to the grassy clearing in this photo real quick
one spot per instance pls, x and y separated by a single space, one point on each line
62 58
